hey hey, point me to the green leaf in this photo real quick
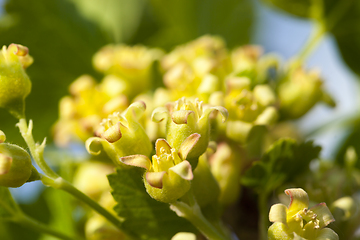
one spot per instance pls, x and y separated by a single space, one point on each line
145 217
62 44
8 207
184 20
118 18
284 160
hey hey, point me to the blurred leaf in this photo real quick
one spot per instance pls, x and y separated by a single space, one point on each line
145 217
282 162
62 43
118 18
185 20
8 207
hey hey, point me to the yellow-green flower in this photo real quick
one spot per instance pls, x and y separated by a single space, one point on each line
185 117
168 175
298 221
121 134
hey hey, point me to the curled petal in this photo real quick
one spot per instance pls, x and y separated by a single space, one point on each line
135 110
323 214
299 200
18 49
222 110
155 179
2 137
183 169
278 213
327 234
188 144
181 116
137 161
112 134
94 145
5 164
162 145
159 114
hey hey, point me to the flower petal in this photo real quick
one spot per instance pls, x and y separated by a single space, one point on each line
279 231
159 114
278 213
94 145
181 116
155 179
112 134
327 234
299 200
135 110
5 164
188 144
323 214
162 144
183 169
224 112
137 161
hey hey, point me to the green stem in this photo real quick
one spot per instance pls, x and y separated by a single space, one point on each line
192 212
313 41
264 213
36 150
37 226
62 184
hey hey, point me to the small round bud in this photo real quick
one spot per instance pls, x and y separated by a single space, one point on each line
15 165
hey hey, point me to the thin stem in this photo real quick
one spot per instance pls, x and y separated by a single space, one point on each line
194 215
62 184
191 211
263 220
313 41
36 150
37 226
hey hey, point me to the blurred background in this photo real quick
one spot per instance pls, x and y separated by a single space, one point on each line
63 35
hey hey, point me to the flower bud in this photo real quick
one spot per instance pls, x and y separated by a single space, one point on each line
185 117
300 91
15 165
122 135
226 168
184 236
168 175
15 84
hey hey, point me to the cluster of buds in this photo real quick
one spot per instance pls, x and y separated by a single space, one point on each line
298 221
81 113
132 66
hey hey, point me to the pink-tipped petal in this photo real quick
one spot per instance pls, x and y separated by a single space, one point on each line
181 116
323 214
18 49
162 145
188 144
183 169
155 179
137 161
113 134
299 200
223 111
